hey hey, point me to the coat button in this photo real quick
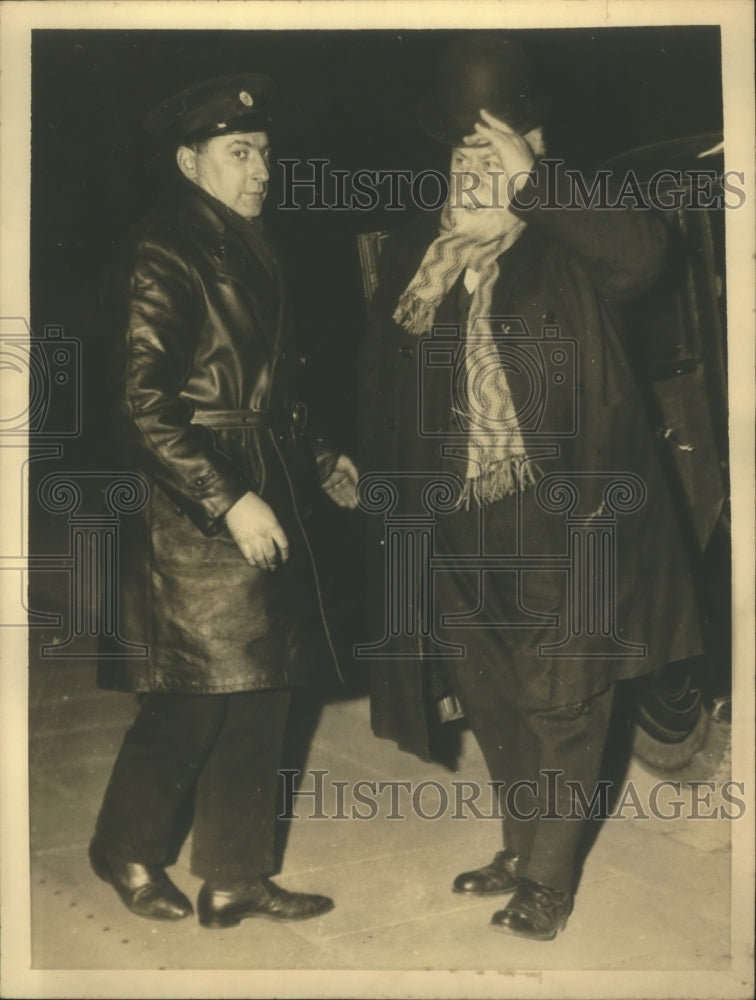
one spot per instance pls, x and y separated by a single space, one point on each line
406 352
284 355
391 424
549 317
302 359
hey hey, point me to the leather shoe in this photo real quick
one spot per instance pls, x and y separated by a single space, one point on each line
145 889
535 911
498 877
227 907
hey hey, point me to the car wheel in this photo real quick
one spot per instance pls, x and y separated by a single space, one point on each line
671 720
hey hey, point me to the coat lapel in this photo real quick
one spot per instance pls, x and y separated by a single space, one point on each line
240 253
521 258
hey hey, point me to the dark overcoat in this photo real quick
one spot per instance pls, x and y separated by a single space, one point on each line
585 425
205 330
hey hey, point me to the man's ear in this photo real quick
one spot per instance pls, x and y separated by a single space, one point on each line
187 162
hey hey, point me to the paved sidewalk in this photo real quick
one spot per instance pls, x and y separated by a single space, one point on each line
639 904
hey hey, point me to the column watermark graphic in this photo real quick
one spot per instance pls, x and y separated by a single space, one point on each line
591 561
92 562
409 547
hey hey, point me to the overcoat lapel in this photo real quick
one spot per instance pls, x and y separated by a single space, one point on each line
241 253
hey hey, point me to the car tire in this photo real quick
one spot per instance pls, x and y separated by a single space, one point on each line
671 720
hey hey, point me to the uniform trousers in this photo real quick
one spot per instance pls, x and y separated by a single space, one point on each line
218 752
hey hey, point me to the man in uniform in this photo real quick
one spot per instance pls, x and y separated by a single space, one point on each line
218 578
527 430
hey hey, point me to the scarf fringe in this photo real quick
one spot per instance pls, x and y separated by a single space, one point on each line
414 313
500 480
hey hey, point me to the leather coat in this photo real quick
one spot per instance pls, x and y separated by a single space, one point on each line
205 330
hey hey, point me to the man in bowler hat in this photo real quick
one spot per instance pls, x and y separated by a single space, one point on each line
217 576
524 428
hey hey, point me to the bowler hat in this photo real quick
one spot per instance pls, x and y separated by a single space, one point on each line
480 71
221 106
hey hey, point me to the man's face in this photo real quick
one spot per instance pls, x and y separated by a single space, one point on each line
478 192
232 168
480 188
477 181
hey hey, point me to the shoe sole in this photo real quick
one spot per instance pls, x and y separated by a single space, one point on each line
219 923
532 937
484 892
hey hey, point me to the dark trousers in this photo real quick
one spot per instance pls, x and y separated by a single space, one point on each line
545 747
219 753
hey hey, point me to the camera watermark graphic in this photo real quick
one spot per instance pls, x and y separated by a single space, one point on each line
541 372
42 391
543 381
315 795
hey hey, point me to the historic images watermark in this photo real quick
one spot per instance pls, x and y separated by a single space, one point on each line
315 185
550 797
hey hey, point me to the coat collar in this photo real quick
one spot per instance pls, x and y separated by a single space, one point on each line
225 232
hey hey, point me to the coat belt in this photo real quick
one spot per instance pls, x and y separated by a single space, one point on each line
295 417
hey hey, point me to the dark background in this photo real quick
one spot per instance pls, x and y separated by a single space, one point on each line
348 96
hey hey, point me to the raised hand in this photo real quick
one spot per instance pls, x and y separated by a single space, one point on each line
514 152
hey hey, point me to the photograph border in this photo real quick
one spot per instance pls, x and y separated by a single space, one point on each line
735 18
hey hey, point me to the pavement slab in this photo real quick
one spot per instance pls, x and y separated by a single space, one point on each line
654 894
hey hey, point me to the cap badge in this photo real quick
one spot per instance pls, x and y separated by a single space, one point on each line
246 98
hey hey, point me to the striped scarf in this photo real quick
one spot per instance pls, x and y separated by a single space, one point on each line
497 463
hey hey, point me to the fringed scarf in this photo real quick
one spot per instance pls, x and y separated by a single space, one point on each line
497 463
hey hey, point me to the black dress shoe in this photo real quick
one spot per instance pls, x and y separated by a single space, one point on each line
535 911
498 877
227 907
145 889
